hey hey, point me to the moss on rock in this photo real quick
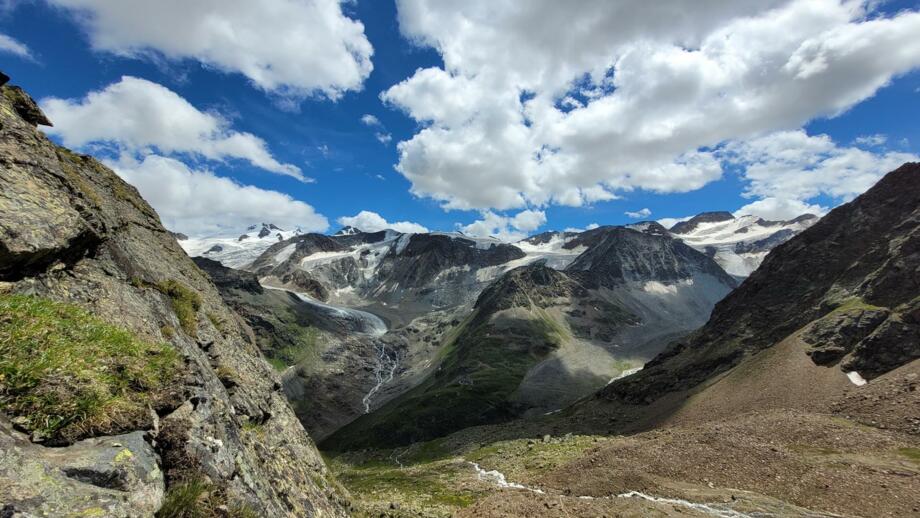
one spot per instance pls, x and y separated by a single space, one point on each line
65 374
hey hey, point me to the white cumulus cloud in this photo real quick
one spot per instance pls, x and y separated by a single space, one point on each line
198 202
639 97
294 48
370 120
13 46
641 213
506 228
142 117
785 171
372 222
874 140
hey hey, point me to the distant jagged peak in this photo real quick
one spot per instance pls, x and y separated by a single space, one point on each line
545 237
803 218
348 230
649 227
690 225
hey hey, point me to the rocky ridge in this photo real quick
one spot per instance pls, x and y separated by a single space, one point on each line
71 231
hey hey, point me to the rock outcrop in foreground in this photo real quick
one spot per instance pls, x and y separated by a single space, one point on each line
74 235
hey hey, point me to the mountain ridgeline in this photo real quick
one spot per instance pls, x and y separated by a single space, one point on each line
629 291
851 283
538 338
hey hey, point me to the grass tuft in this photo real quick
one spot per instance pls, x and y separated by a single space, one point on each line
185 302
217 322
200 499
65 374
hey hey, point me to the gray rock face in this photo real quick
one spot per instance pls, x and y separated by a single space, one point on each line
422 271
895 342
835 335
71 230
617 255
25 106
116 476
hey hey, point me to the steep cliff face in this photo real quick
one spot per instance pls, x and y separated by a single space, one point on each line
619 255
850 284
78 244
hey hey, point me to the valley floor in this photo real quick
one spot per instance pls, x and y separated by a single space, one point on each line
858 457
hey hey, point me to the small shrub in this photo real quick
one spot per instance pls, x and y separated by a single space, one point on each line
66 374
200 499
168 332
185 303
216 322
253 427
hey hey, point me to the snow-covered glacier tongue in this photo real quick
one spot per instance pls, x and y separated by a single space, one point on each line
348 319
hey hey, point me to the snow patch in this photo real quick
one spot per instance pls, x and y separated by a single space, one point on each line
705 508
285 253
723 236
498 478
856 379
627 372
659 288
233 252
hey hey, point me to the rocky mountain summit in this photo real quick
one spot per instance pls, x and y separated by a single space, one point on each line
118 351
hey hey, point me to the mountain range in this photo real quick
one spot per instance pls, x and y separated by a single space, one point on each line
726 366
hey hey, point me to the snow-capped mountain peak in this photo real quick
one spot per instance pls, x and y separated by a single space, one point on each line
348 231
237 250
738 244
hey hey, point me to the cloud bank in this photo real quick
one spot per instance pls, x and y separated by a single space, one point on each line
642 96
291 48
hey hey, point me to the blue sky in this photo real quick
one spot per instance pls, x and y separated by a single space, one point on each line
354 171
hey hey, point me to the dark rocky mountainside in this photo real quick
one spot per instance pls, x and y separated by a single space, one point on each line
384 266
89 273
853 279
482 365
427 255
617 255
